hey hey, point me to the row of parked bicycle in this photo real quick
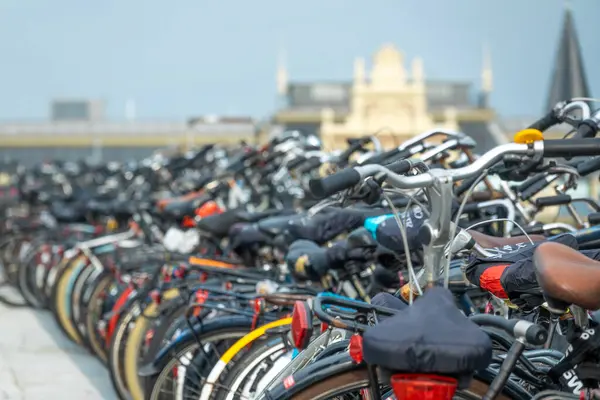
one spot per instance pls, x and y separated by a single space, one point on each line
287 272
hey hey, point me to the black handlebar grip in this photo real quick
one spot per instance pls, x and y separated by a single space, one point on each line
568 148
545 122
586 129
533 189
558 200
464 185
400 167
529 182
587 167
594 218
536 335
311 163
345 156
296 162
325 187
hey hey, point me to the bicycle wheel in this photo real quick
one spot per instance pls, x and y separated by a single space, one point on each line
134 344
115 351
181 369
27 276
60 294
235 351
75 310
349 384
92 314
243 380
339 377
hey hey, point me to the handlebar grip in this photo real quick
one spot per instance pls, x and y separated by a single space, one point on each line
546 122
533 189
529 182
558 200
325 187
296 162
536 335
400 167
587 128
571 148
533 334
345 156
594 218
587 167
311 163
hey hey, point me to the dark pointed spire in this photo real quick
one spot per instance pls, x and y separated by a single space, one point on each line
568 77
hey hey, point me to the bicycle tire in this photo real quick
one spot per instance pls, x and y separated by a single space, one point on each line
115 360
235 377
93 310
234 327
134 343
59 293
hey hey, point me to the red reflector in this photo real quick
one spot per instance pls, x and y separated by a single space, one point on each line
356 348
324 327
149 336
188 222
257 304
301 325
423 387
179 272
155 296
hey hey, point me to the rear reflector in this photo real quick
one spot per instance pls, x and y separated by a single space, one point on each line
423 387
301 325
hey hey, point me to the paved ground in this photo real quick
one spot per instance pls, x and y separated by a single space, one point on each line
37 362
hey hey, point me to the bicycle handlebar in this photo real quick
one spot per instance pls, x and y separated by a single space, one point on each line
520 329
349 177
546 122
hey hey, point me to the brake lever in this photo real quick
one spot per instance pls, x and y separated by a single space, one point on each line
517 169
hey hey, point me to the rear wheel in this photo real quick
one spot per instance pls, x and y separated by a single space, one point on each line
347 385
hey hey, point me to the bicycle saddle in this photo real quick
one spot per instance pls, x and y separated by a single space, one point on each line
275 226
567 276
219 225
488 241
430 336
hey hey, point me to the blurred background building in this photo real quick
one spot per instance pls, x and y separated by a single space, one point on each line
390 96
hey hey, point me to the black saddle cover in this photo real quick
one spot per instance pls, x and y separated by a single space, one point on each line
431 336
518 279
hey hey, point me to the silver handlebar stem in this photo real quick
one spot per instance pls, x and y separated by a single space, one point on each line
575 105
427 179
438 187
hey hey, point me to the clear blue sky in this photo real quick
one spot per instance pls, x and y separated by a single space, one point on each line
191 57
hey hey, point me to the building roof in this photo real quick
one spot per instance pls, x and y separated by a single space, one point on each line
314 96
568 79
134 128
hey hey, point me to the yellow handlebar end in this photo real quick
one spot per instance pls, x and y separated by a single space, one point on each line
527 136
